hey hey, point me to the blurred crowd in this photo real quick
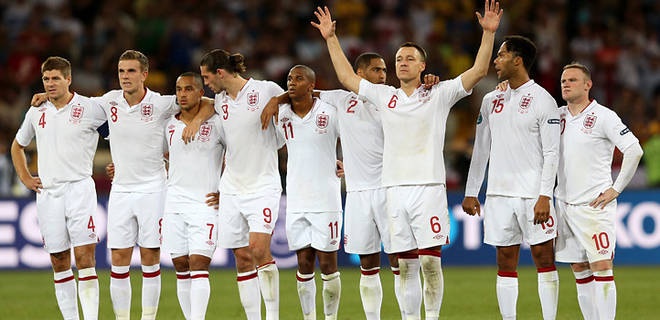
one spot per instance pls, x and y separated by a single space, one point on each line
618 40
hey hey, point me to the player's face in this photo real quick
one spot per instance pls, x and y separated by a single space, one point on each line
504 63
574 85
375 72
55 84
298 84
187 93
212 79
131 75
409 64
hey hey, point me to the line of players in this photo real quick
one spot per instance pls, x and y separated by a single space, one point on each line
392 141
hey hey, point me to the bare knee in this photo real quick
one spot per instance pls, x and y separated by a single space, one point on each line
507 258
150 256
579 267
181 264
244 259
61 261
543 254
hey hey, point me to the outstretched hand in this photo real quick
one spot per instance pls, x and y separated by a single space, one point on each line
492 15
325 25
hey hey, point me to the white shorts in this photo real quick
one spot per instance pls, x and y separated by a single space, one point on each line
365 222
190 232
509 220
585 233
241 214
135 218
66 218
320 230
418 217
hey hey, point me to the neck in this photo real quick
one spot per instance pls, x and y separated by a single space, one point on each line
518 80
189 114
302 106
135 97
235 85
578 105
60 102
409 86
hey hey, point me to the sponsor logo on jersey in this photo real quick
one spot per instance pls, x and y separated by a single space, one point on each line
624 131
480 118
205 132
525 102
147 112
322 123
252 100
285 119
76 113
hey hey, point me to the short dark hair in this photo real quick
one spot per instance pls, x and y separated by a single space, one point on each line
421 50
57 63
197 78
522 47
136 55
577 65
309 72
221 59
364 60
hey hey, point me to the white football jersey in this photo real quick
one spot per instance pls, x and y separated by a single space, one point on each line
361 133
518 131
312 184
251 164
66 139
136 139
587 145
194 168
414 130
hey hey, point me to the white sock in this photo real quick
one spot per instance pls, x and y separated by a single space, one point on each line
150 291
269 281
120 291
548 287
65 292
248 290
371 292
183 292
605 294
434 284
331 294
307 295
200 291
411 287
88 292
507 293
584 282
397 290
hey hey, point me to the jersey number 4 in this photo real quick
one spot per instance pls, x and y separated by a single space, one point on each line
42 120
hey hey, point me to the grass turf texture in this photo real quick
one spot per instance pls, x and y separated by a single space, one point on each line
469 294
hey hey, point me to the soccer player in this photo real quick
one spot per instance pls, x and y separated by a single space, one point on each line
65 130
313 223
414 121
586 196
518 133
250 186
190 229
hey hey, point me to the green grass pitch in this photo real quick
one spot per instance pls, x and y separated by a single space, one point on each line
469 294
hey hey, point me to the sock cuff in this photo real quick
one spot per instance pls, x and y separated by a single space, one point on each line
267 265
583 275
63 276
304 277
183 275
87 274
507 274
546 269
244 276
149 269
427 252
328 277
199 274
370 271
120 269
396 270
604 275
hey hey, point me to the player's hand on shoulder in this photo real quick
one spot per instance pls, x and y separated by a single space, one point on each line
471 206
213 200
269 112
340 169
502 86
38 99
110 170
430 80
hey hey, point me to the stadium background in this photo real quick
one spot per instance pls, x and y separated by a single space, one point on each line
618 40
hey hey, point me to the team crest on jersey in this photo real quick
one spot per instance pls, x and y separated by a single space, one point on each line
147 112
525 102
322 123
205 132
76 113
253 100
589 123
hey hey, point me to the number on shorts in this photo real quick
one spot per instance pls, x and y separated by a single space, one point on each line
268 215
113 114
550 223
435 224
602 240
42 120
160 226
211 226
334 229
90 224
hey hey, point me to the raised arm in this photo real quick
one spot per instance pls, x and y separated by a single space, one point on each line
270 111
489 23
345 73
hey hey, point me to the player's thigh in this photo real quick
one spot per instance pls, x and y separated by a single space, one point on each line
400 231
535 233
567 246
261 211
80 208
298 230
430 216
233 229
326 230
379 209
594 229
500 223
361 234
52 222
202 231
122 223
149 209
175 237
